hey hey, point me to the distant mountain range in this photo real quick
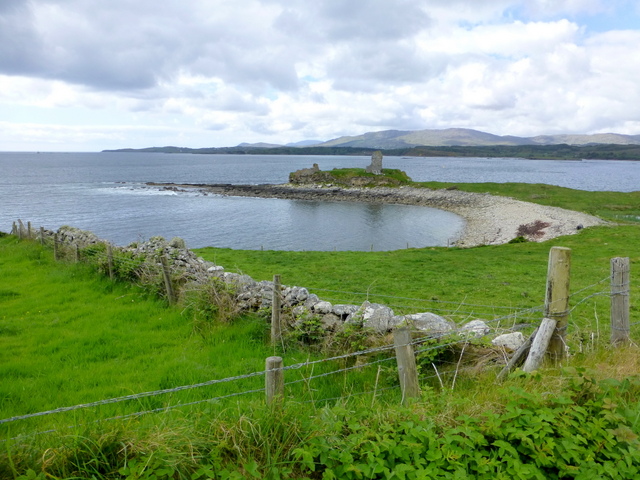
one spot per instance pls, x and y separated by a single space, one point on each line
455 137
451 142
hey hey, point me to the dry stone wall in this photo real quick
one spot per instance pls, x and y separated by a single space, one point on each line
302 305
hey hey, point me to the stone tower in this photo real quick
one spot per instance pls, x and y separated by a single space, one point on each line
376 163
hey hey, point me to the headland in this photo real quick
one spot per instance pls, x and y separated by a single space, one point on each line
490 219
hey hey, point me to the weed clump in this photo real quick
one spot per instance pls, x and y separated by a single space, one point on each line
532 230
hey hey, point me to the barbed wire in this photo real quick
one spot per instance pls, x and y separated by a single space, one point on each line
346 369
154 264
432 300
239 377
342 397
134 396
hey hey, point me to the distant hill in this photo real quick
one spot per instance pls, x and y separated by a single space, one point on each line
454 137
258 145
460 142
304 143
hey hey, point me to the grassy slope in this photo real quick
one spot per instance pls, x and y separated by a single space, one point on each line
69 336
616 206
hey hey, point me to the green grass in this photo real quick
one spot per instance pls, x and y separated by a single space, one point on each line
614 206
69 335
447 280
346 173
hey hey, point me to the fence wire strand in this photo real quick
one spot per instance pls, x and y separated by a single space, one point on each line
458 335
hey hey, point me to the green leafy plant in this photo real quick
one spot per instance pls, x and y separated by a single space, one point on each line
211 304
307 331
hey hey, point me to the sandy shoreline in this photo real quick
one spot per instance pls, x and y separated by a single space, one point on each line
490 220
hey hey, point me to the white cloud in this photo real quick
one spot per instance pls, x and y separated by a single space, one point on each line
217 72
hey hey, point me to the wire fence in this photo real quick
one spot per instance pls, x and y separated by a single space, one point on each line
444 340
426 345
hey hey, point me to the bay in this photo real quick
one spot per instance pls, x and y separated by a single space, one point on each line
106 193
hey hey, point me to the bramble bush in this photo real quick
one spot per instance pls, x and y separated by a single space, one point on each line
582 434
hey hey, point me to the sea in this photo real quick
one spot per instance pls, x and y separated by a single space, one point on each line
107 194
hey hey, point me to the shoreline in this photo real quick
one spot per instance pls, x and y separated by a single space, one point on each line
489 219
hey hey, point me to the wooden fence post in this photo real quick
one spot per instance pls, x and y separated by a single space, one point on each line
274 380
20 229
14 229
276 305
167 280
29 231
55 246
540 344
77 253
407 370
110 260
518 356
42 236
620 300
556 304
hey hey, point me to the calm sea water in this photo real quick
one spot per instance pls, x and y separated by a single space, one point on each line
106 193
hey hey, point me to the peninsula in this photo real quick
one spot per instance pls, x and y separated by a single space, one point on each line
489 219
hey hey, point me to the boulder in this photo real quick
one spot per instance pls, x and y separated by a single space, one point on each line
331 321
177 242
475 328
344 310
375 316
311 300
510 341
429 322
295 295
322 307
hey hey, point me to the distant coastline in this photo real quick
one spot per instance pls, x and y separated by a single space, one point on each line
529 152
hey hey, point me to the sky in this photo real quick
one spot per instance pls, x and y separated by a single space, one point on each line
88 75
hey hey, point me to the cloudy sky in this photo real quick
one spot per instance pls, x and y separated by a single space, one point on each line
87 75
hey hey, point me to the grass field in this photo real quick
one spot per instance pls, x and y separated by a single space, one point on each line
69 336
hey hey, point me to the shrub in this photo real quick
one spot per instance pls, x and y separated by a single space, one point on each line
212 303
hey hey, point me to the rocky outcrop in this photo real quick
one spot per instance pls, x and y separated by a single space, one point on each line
372 176
309 175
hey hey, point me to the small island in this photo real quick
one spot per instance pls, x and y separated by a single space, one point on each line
372 176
